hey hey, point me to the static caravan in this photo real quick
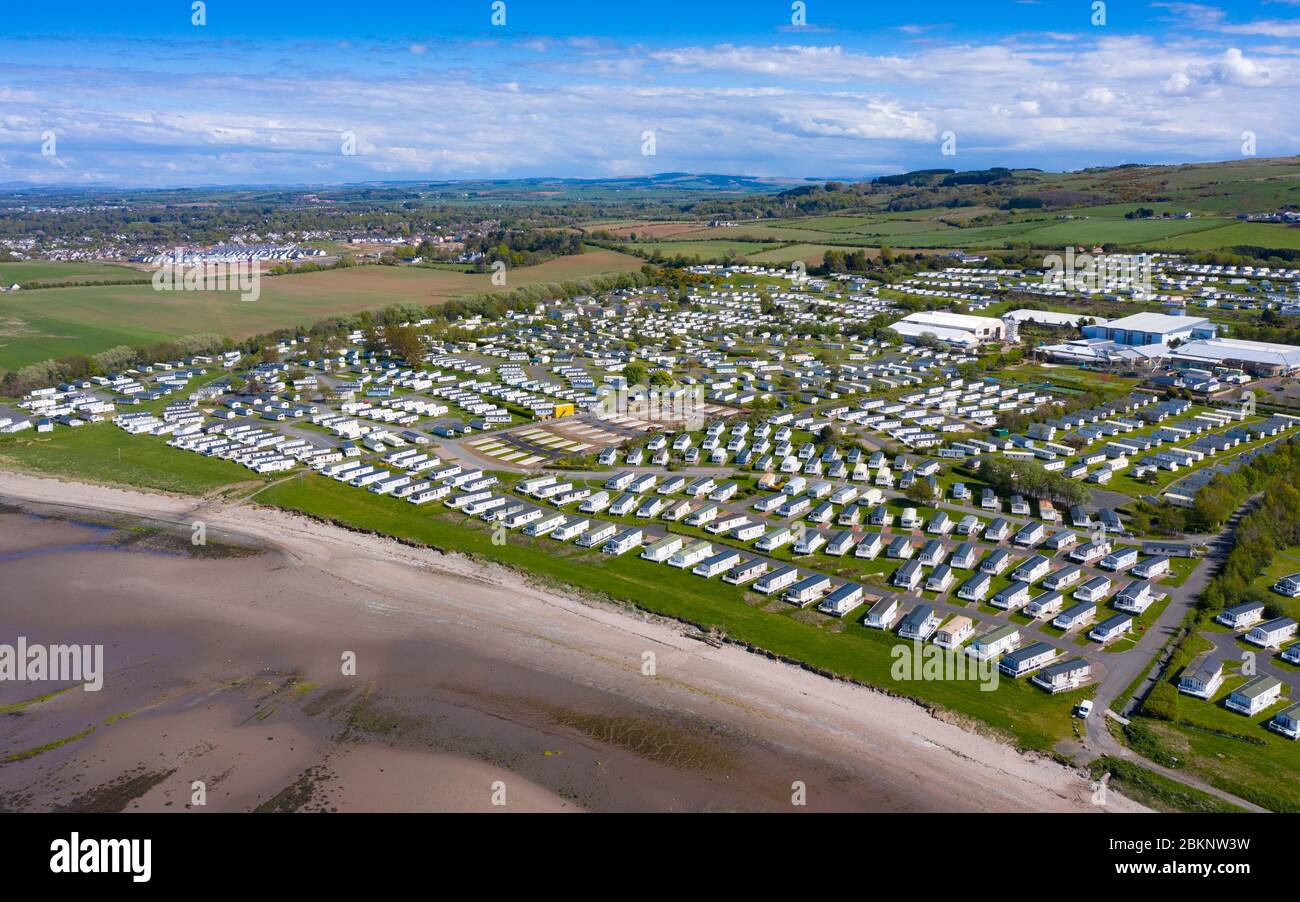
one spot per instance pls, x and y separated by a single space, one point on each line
841 544
1094 589
996 642
1063 578
1152 567
746 571
1254 696
777 580
1202 676
1045 605
964 556
1120 559
882 614
571 528
661 550
595 504
1032 570
1135 597
998 530
1241 616
940 579
996 562
933 554
1272 633
940 524
1064 675
975 588
1288 586
1287 722
691 555
597 535
843 600
811 541
870 547
900 549
624 542
808 589
1026 660
954 632
721 562
1012 597
1032 534
524 517
1079 614
1112 628
919 623
782 535
1061 541
909 575
544 525
624 505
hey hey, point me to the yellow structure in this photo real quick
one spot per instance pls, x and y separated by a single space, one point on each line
564 410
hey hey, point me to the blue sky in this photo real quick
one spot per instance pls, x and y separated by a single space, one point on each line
135 94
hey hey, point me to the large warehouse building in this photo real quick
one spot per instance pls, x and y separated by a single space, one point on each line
953 328
1259 358
1152 329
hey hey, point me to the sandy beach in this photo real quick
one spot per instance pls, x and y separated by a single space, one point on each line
470 684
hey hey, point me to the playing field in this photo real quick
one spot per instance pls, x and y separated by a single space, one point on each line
39 325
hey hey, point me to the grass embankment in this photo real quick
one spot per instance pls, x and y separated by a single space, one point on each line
1015 710
1156 790
103 453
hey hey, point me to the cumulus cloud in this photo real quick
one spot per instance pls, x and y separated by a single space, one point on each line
263 112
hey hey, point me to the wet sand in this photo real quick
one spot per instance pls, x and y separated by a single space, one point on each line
469 683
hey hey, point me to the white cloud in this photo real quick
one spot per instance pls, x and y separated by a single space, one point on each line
477 109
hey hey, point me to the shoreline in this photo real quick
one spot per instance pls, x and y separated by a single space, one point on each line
918 760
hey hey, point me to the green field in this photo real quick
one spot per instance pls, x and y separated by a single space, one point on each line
101 452
39 325
1261 234
1016 710
47 271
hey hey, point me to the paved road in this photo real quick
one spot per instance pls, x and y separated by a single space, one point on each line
1097 735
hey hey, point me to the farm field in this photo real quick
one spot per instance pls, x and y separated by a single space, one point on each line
1263 234
703 250
1016 709
926 230
53 322
51 271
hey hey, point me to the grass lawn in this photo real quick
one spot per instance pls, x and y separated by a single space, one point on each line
1016 710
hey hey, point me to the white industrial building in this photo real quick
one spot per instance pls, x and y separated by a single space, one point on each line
952 328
